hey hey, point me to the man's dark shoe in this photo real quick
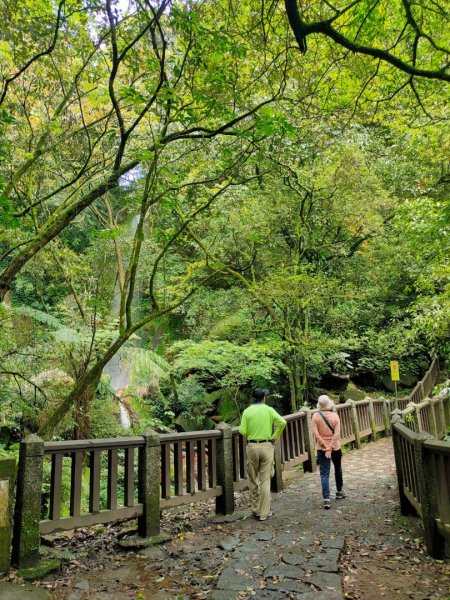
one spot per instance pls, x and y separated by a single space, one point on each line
327 504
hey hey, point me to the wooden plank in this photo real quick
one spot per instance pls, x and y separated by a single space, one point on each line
178 468
94 481
190 466
129 477
201 465
188 499
243 456
212 463
165 470
295 461
75 484
284 446
240 485
89 519
413 500
290 439
191 435
55 487
297 443
111 501
237 457
88 445
442 469
302 423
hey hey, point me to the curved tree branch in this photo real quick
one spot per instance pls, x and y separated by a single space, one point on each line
301 30
36 57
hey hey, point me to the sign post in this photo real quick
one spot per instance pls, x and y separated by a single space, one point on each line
395 373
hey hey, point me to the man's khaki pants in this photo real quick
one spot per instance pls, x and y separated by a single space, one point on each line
260 460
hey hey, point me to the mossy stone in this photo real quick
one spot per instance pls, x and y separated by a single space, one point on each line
40 569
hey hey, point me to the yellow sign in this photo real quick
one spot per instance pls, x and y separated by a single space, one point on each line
395 371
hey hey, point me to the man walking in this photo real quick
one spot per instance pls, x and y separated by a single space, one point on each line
257 426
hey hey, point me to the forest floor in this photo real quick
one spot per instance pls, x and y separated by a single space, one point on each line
361 549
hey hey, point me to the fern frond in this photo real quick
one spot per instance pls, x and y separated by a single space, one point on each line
39 315
146 357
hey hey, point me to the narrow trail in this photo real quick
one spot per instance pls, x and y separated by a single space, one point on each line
362 548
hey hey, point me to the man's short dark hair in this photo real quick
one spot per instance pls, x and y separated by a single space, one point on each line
259 394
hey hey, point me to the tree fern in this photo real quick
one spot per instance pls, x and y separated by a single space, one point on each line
39 315
147 370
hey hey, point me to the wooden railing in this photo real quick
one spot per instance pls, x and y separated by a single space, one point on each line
423 461
102 456
186 467
423 474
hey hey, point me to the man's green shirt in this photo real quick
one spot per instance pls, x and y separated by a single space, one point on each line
258 420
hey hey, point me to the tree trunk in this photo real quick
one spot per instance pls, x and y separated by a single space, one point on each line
53 227
293 393
82 411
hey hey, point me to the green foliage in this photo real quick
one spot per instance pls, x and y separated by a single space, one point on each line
274 247
147 370
226 365
193 404
104 418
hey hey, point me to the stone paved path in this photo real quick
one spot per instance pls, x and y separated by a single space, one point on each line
297 551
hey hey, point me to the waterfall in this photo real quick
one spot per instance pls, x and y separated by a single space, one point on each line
125 419
118 370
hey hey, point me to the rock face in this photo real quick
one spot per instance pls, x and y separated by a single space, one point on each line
351 393
407 380
335 382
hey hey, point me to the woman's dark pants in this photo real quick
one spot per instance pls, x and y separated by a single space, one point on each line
324 468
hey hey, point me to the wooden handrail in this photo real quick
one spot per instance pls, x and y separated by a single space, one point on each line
98 444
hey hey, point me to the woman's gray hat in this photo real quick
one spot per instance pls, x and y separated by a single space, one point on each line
325 403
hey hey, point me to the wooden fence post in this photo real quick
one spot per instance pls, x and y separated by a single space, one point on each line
428 490
7 481
415 417
373 426
225 502
309 465
406 507
386 416
422 390
355 423
446 408
149 484
440 416
25 549
434 418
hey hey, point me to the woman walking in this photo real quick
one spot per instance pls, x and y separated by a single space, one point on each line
326 429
